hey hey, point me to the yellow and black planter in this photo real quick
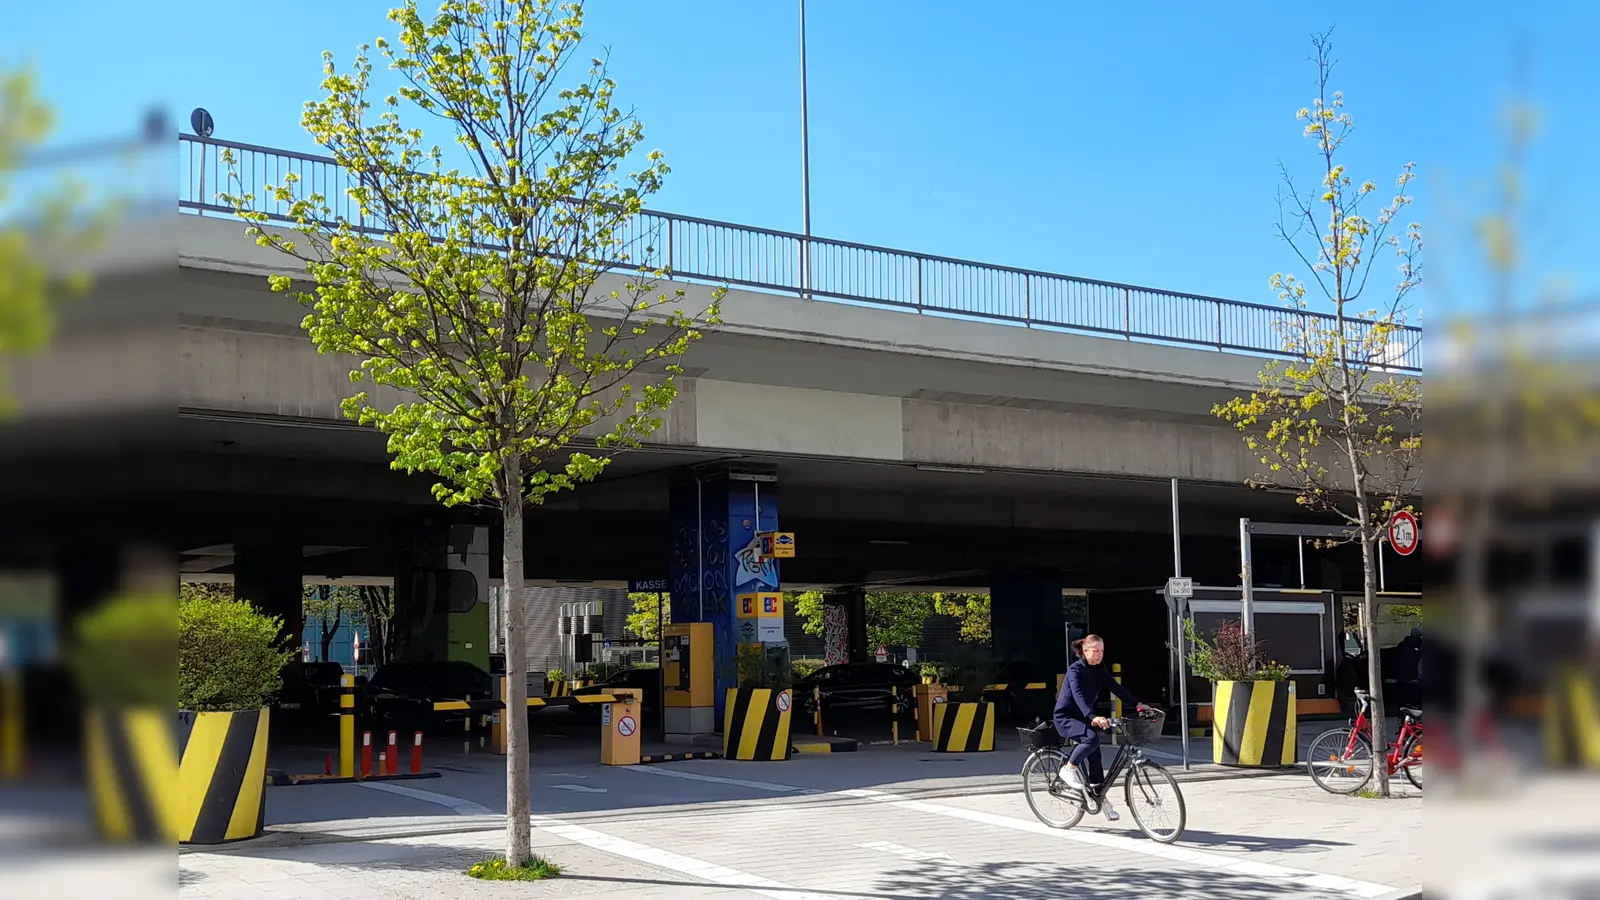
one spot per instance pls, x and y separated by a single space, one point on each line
222 776
1253 724
132 774
755 724
963 727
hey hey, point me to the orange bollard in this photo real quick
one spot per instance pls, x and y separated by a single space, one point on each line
366 754
393 758
416 753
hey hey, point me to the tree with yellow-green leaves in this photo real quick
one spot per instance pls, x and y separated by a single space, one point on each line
508 302
29 284
1335 420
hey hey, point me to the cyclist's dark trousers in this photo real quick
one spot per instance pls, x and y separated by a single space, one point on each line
1086 755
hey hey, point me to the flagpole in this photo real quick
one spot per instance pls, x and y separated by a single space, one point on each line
805 167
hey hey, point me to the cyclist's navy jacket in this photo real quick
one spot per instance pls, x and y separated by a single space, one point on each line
1081 690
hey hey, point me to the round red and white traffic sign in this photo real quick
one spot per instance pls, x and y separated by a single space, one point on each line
782 702
1404 533
626 726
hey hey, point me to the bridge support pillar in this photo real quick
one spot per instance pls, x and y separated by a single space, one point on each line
270 575
1028 620
844 621
716 515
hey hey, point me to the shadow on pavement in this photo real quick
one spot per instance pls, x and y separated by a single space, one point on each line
1251 843
1030 881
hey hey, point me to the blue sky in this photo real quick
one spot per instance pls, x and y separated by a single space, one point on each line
1130 143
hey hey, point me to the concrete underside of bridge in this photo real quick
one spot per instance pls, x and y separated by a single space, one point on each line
183 406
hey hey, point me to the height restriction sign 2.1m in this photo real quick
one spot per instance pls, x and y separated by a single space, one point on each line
1404 535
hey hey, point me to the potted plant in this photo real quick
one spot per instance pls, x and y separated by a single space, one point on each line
962 719
929 671
1253 699
230 660
757 713
123 665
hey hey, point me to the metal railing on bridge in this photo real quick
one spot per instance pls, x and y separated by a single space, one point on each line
763 259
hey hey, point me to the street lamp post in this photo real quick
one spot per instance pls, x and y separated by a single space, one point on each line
805 168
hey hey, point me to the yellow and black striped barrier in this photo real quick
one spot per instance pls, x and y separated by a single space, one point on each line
809 745
1254 724
221 775
533 703
133 777
755 724
963 727
347 726
1571 721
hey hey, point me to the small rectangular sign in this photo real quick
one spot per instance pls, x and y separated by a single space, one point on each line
1180 588
649 586
777 544
771 631
749 606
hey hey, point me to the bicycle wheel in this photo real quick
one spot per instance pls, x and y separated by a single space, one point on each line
1156 802
1052 802
1411 760
1335 766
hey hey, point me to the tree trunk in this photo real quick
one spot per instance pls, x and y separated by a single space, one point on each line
329 633
1369 616
518 839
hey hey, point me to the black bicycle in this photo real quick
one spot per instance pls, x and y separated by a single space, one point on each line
1151 792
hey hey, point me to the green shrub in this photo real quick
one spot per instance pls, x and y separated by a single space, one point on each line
230 655
555 675
760 667
930 670
124 653
805 668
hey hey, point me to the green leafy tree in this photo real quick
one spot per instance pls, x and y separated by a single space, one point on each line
331 605
1335 421
508 303
808 606
56 221
650 611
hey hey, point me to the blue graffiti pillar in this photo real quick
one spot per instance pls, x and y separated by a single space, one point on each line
716 557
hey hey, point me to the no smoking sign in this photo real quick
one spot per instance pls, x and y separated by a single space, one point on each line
782 702
626 726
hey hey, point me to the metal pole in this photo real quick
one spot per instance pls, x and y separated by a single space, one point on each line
805 167
1300 545
1176 605
1247 600
1383 579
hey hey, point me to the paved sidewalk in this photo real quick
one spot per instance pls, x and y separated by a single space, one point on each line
820 828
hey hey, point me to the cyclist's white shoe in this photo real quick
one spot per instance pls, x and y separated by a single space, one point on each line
1111 811
1073 778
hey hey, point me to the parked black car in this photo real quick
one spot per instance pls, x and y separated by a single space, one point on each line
855 685
310 690
401 695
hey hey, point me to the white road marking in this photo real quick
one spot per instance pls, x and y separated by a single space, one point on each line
1216 861
577 788
674 862
911 853
459 806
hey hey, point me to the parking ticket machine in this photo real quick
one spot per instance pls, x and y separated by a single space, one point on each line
689 679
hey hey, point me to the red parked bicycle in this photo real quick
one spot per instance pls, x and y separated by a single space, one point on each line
1340 759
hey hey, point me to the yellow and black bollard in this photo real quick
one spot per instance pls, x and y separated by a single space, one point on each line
347 726
816 707
12 722
1116 702
894 710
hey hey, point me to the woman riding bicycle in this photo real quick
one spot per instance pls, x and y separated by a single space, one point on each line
1087 680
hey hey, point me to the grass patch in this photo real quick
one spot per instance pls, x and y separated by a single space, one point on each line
1367 793
495 869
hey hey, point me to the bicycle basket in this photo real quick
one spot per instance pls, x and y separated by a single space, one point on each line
1141 730
1040 737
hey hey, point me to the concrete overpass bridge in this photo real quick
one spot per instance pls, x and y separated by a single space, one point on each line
923 420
